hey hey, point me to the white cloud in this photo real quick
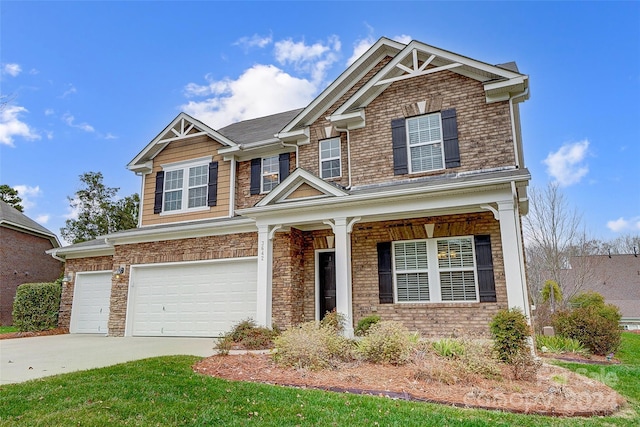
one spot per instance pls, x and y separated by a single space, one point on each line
109 135
11 126
253 41
12 69
566 165
27 194
261 90
403 38
49 112
621 224
72 89
73 212
43 219
70 120
313 59
359 48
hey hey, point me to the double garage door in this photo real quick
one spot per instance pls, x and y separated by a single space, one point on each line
193 299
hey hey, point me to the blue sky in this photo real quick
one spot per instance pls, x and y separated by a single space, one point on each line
89 84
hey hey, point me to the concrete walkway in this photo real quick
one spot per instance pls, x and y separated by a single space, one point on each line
24 359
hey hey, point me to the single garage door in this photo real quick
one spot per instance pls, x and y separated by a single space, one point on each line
90 309
194 299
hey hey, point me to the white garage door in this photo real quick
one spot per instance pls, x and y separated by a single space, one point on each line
197 299
90 309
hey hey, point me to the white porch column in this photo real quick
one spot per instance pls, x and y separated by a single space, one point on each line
513 256
265 277
342 231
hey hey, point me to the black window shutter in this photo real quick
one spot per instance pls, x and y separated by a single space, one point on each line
157 202
450 138
256 175
385 274
284 166
399 143
212 189
484 264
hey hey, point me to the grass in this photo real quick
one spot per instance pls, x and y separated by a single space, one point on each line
165 391
7 329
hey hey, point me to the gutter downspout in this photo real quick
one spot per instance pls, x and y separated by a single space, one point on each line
513 124
56 257
232 189
296 147
144 177
348 153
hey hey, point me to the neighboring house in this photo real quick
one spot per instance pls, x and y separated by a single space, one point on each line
397 191
615 277
23 258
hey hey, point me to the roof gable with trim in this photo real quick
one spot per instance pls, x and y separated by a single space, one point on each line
12 218
301 185
182 127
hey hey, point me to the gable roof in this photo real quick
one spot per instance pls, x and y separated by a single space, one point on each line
615 277
296 179
355 72
417 59
182 127
10 217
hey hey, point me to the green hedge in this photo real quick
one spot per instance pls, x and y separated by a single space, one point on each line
36 306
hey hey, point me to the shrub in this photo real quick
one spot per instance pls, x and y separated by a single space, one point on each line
559 344
524 366
334 321
587 299
311 346
365 323
247 335
449 347
595 326
387 342
36 306
510 331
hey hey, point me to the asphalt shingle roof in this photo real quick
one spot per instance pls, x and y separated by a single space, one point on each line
260 129
11 216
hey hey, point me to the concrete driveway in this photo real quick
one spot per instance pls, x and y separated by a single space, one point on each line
24 359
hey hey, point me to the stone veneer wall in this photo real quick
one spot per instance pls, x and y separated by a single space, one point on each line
195 249
441 319
73 266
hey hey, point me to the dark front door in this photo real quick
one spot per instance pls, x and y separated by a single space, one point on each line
327 277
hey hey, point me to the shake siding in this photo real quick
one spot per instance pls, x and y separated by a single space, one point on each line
181 151
484 130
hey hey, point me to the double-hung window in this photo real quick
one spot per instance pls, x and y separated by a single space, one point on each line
330 166
185 186
270 173
425 145
435 270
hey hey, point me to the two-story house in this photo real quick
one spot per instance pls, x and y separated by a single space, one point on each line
397 191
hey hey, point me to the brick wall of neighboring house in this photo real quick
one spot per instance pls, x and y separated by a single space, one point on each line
22 260
73 266
195 249
288 283
441 319
484 130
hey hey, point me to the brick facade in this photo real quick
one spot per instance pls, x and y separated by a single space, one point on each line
22 260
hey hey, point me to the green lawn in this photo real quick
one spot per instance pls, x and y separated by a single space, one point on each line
6 329
165 391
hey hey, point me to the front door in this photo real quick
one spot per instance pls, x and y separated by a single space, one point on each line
327 282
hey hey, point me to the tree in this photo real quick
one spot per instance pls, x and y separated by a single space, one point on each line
97 211
554 235
10 196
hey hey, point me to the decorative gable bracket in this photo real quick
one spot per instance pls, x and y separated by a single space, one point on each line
417 69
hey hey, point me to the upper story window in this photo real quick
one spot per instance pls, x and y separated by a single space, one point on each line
330 164
270 173
187 185
425 145
435 270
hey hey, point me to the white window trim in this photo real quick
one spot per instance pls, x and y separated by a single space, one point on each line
185 166
262 173
339 157
433 271
409 146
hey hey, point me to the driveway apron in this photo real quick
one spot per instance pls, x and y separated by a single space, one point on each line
24 359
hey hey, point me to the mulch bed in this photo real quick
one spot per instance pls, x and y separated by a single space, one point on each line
11 335
555 392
